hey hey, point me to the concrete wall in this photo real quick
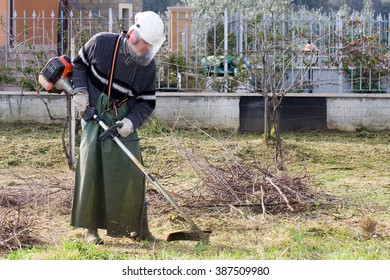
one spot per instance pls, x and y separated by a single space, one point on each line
29 107
370 112
241 112
204 110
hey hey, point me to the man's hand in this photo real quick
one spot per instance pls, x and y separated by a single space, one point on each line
81 101
127 127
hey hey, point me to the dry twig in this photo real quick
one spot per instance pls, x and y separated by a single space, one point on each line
26 204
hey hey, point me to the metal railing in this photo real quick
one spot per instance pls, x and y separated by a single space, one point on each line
226 53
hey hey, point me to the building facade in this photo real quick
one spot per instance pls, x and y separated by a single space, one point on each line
22 19
122 9
50 25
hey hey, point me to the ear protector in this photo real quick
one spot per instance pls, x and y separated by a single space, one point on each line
133 35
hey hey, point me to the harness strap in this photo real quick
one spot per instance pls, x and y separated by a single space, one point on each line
112 71
116 104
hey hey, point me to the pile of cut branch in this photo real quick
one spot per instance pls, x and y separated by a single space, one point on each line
16 228
228 183
251 185
27 205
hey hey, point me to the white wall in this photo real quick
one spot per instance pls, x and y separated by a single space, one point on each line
199 109
29 107
345 112
368 111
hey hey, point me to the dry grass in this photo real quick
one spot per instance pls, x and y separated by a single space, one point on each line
335 188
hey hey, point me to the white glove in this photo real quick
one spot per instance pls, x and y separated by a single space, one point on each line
81 101
127 127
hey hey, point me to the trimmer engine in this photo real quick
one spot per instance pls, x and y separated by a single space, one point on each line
56 74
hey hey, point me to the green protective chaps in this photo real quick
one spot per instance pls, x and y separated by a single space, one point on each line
109 190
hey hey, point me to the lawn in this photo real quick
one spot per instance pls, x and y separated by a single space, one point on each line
343 182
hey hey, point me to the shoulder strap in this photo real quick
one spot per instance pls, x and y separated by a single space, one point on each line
112 70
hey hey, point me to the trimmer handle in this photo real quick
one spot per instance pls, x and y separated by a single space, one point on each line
90 113
111 132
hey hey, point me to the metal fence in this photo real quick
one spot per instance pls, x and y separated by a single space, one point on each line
226 53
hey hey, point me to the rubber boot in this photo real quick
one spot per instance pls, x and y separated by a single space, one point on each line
145 234
92 237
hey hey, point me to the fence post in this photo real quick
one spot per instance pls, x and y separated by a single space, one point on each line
225 48
24 40
238 24
70 33
339 28
52 15
388 47
186 47
110 20
265 54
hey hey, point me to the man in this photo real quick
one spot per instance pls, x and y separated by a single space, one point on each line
109 189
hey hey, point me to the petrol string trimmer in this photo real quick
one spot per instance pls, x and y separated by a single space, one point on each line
55 78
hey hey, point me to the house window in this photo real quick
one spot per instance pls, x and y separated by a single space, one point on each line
126 15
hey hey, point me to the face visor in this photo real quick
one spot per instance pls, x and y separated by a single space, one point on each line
140 50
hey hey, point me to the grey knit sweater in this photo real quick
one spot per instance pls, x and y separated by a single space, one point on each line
91 72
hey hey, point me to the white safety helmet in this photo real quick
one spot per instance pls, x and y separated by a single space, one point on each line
145 37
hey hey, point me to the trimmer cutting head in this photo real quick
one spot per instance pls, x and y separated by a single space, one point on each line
191 235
